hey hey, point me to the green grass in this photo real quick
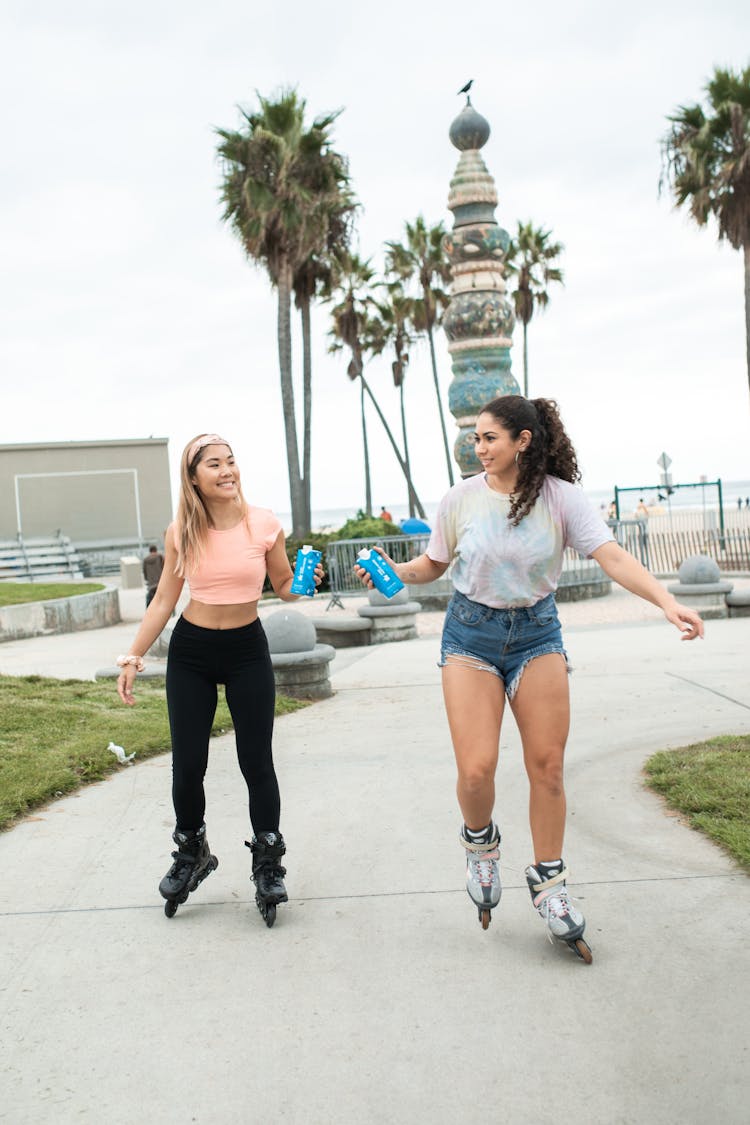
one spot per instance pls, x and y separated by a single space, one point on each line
55 733
18 593
710 784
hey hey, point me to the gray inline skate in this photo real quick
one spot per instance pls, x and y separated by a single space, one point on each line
268 874
551 899
483 873
193 862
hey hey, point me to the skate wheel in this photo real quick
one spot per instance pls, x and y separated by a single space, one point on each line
170 908
270 914
485 917
583 951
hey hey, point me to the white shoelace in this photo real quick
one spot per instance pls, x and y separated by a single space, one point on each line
482 867
557 905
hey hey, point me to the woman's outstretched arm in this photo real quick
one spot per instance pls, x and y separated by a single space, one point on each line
624 569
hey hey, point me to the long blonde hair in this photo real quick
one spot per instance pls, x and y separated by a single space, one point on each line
192 515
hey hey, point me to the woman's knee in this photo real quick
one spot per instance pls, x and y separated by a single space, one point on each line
474 777
188 773
257 769
546 770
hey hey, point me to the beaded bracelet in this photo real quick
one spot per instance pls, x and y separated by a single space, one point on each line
136 661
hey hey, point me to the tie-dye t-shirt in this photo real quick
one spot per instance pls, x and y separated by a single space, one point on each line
499 565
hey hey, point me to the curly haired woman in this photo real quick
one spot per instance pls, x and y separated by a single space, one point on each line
504 533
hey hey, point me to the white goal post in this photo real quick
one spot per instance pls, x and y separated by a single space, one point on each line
133 473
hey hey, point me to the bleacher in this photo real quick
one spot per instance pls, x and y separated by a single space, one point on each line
39 560
100 557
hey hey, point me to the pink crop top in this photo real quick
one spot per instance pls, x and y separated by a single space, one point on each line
232 568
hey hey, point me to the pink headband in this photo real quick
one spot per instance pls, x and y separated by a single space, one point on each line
202 442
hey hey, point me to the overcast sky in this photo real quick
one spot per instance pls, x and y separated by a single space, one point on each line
130 310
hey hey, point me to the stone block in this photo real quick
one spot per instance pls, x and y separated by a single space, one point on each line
131 573
432 596
343 632
61 615
707 598
391 622
583 589
738 603
304 675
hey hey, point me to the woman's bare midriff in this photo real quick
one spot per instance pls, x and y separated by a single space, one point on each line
220 616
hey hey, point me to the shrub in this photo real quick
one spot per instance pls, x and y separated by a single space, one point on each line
366 527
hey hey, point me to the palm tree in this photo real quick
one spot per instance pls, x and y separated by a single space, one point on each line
706 162
421 260
351 280
284 189
311 280
394 319
356 327
530 257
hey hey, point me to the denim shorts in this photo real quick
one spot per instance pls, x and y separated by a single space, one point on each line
500 641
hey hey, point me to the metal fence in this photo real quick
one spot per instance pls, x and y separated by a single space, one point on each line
342 553
664 551
661 552
341 556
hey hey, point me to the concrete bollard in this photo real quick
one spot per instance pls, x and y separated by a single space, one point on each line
701 587
300 665
393 619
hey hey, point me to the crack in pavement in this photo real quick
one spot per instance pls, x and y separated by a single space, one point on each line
370 895
713 691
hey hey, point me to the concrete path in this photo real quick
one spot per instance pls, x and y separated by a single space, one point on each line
377 997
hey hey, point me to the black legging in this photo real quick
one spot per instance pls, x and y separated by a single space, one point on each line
199 659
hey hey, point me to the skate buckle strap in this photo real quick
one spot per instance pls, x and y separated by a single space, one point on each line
551 882
479 848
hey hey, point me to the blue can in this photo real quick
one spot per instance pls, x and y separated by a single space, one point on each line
303 582
384 578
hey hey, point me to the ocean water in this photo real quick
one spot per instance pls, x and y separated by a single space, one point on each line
696 499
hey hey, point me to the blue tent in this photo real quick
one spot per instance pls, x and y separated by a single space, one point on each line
414 527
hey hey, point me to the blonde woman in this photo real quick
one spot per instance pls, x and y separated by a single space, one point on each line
223 547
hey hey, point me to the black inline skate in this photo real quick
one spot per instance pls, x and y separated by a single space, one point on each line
192 863
268 874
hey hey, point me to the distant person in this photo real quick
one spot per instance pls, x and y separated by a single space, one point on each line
223 548
386 515
747 501
641 511
612 512
504 533
739 503
153 565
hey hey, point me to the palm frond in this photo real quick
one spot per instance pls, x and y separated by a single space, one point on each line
706 156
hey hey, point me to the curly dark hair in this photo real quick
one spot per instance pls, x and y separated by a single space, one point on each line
550 451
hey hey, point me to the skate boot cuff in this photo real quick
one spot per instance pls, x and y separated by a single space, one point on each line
553 882
269 845
188 835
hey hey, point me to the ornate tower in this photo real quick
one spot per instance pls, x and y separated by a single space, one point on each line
479 319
